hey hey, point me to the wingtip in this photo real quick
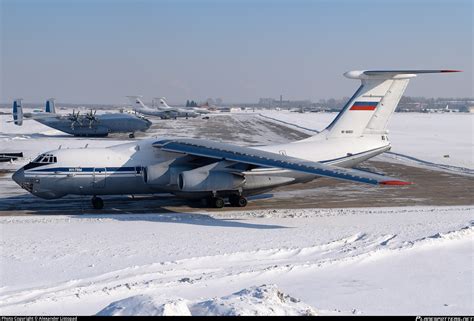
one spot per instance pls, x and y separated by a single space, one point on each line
451 70
393 182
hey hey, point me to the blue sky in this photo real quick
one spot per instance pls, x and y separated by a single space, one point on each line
100 51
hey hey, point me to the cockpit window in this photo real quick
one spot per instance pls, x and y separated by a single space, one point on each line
45 159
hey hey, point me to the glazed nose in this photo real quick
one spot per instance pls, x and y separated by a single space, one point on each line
19 176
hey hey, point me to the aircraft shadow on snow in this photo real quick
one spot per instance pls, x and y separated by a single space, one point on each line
148 209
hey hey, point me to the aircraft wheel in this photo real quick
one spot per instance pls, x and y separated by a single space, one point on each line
218 202
238 201
97 203
242 201
132 135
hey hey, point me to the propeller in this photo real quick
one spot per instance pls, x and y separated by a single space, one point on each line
74 118
91 117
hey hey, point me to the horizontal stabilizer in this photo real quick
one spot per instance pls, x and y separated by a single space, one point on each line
378 72
397 74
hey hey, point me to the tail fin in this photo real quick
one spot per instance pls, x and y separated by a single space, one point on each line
17 112
136 101
163 103
50 106
370 108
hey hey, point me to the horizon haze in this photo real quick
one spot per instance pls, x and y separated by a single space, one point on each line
100 51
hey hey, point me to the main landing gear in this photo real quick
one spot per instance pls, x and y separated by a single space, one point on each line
234 200
97 203
131 135
217 202
238 201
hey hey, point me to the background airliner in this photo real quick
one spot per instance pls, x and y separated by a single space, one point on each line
214 171
162 110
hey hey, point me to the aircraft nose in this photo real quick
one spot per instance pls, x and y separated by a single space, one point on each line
19 176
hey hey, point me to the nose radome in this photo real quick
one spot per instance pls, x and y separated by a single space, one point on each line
19 176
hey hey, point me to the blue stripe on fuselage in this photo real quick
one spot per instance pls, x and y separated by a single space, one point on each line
88 169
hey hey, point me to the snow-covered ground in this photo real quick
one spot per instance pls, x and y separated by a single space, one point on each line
366 261
426 137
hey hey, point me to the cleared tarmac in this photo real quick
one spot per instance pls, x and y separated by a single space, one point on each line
431 187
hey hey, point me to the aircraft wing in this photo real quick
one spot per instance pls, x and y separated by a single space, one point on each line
247 155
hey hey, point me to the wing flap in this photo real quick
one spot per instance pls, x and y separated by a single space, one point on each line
247 155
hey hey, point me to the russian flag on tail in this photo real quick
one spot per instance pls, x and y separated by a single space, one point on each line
364 105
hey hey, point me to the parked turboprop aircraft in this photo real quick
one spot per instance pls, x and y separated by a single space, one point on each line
163 110
197 168
90 124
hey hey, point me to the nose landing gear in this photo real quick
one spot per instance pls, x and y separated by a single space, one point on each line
97 203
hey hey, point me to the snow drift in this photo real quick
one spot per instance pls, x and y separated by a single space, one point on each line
256 300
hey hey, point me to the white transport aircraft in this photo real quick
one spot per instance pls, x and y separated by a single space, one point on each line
163 105
213 171
163 110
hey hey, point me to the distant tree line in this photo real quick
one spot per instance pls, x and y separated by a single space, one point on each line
191 103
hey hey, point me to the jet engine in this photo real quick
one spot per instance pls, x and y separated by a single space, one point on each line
198 180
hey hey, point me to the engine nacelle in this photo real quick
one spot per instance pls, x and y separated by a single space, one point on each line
207 181
162 174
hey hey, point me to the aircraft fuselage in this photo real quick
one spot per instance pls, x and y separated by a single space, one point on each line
102 126
139 168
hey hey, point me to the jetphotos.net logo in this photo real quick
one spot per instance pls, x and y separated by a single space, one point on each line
459 318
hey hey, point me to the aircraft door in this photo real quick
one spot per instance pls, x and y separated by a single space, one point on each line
99 177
